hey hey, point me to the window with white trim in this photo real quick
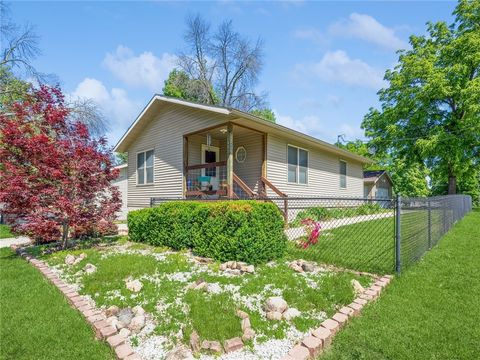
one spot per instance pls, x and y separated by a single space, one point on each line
145 167
343 174
297 160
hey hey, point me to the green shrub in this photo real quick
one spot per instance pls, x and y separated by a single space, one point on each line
247 231
369 208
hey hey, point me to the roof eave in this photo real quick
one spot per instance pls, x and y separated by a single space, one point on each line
327 146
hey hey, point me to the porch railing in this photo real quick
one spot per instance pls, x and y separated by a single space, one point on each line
206 179
266 183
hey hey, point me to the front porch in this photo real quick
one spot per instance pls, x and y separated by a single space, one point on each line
226 161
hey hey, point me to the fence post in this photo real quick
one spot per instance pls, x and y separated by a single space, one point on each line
398 208
429 224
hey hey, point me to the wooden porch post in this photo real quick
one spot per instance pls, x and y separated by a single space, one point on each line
230 160
185 164
263 188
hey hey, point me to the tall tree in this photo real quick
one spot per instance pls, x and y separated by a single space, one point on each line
430 112
265 114
225 64
54 176
180 85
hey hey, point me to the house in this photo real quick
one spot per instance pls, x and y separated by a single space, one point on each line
122 182
178 149
377 185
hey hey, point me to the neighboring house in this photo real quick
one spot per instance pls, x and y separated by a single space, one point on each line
180 149
122 183
377 184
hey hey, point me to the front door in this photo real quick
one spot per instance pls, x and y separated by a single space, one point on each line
210 154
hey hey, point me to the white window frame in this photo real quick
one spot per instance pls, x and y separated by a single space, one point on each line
298 165
145 167
340 174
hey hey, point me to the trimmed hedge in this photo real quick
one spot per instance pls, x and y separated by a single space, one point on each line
249 231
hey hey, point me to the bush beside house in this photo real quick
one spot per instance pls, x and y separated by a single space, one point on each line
248 231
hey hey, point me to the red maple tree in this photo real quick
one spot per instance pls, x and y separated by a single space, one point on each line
55 179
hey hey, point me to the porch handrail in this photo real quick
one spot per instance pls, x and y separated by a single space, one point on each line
276 190
206 166
273 187
243 186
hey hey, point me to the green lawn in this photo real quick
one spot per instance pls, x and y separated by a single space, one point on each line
5 232
36 321
366 246
430 312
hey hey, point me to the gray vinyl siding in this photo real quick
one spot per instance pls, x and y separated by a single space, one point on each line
164 134
195 143
323 171
249 171
122 184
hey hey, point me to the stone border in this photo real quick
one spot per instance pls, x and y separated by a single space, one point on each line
322 337
103 331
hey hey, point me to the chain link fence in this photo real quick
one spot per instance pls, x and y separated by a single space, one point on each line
371 235
423 221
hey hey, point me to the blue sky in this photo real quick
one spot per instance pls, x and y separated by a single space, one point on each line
324 61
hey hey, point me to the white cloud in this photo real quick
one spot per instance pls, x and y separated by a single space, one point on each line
324 130
143 70
115 104
338 67
367 28
310 34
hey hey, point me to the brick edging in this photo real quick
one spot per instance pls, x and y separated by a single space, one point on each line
96 319
321 338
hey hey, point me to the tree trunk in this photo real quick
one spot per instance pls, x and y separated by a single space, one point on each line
452 184
64 234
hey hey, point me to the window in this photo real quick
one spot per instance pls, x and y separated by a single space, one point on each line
297 165
343 174
145 167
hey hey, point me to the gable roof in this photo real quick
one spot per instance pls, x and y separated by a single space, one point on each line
374 175
235 116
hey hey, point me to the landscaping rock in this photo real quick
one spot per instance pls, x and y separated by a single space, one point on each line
274 315
79 258
291 313
137 323
69 259
181 352
357 287
299 352
233 344
89 268
124 332
249 269
138 310
125 315
242 314
246 324
276 304
200 284
134 285
195 342
294 266
314 345
213 346
113 321
236 268
308 267
112 310
248 334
